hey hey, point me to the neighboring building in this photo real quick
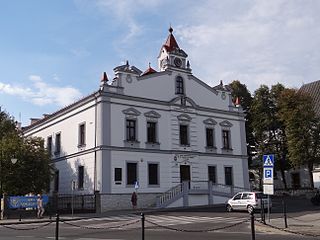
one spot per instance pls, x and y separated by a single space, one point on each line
150 130
313 89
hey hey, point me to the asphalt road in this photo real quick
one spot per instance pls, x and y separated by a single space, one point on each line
196 223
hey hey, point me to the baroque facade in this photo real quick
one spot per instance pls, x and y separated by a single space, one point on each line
147 131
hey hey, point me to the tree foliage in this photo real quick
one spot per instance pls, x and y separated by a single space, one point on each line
268 130
241 91
302 129
32 172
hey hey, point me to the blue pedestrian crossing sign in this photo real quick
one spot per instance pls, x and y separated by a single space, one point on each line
268 160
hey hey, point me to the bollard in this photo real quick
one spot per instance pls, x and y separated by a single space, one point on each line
253 233
142 225
285 213
57 227
263 216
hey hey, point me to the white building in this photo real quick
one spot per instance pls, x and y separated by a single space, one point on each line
156 128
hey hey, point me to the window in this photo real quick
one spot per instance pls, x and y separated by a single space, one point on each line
179 85
226 139
131 130
118 175
151 132
80 177
228 176
58 144
237 197
209 136
82 134
56 181
131 173
212 174
153 174
49 145
184 135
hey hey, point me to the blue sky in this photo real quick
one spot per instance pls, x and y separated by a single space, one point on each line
53 52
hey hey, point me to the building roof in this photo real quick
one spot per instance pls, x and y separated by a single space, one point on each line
313 89
171 43
150 70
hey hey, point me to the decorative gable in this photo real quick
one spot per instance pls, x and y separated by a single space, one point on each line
226 123
131 112
152 114
184 118
210 121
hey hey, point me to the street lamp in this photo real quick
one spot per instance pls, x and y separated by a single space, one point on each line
13 161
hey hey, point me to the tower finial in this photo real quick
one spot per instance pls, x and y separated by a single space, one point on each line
170 29
149 64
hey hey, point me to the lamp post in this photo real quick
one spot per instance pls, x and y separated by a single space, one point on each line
13 161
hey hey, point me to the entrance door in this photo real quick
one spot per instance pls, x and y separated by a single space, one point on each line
185 173
295 180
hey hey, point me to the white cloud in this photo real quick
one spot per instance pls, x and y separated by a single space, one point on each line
41 93
257 42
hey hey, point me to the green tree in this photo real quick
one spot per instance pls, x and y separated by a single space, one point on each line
241 91
32 171
302 129
268 129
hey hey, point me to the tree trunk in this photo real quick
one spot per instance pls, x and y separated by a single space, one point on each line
284 179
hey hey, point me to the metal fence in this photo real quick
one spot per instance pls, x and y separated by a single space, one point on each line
68 203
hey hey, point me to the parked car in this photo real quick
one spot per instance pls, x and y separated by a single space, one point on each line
249 201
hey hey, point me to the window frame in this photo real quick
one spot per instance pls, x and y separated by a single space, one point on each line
153 137
82 134
226 182
80 177
179 84
214 181
157 174
184 136
131 130
49 145
129 174
56 181
57 143
208 137
226 139
118 175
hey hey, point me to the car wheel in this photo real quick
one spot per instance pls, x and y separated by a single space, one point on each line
229 208
250 209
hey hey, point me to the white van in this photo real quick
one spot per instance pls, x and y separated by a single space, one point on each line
249 201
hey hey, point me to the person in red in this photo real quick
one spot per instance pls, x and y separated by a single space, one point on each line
134 200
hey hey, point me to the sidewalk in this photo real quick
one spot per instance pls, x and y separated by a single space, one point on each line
308 225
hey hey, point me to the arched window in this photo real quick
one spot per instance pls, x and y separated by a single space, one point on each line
179 85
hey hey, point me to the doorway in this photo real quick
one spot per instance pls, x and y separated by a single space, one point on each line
295 180
185 173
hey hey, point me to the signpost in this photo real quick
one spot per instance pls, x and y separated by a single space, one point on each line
268 189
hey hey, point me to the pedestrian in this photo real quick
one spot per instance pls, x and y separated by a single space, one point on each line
134 200
40 206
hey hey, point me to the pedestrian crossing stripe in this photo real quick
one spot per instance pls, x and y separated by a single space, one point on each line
268 160
165 220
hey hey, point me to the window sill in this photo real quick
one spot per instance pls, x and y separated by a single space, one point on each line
131 144
226 150
211 149
152 145
153 185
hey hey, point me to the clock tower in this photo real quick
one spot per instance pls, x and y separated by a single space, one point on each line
172 57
